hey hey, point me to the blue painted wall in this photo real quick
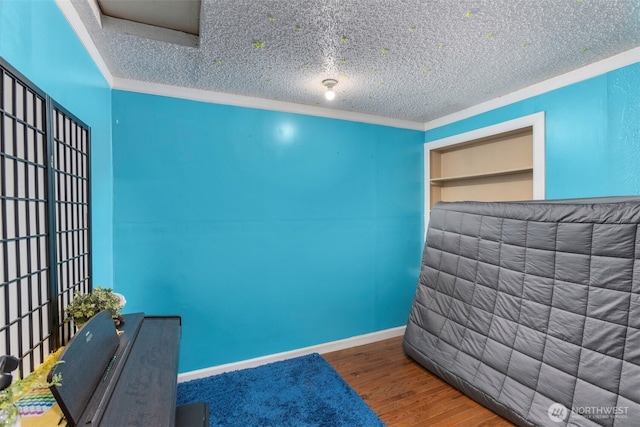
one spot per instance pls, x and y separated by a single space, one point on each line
265 231
36 39
270 231
592 134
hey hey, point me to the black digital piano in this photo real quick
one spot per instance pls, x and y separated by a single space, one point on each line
126 376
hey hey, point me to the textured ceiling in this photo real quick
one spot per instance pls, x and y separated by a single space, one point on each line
405 59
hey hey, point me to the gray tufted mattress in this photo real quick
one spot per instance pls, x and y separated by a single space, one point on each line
533 308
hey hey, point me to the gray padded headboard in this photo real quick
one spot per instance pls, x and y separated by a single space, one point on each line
533 309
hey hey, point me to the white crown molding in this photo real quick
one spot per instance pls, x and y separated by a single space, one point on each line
259 103
76 23
216 97
321 348
119 83
589 71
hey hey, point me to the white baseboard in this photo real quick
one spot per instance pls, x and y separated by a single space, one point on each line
320 348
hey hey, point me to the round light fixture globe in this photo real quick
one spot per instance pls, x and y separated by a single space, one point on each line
329 84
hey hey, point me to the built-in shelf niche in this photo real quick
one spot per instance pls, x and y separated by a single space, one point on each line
494 168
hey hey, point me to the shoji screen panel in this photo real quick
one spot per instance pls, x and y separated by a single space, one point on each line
24 256
72 216
45 237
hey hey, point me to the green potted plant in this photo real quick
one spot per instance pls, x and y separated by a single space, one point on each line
84 306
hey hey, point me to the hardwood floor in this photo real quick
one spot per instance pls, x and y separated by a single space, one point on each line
403 393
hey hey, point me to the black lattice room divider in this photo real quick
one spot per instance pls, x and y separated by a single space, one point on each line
45 209
72 202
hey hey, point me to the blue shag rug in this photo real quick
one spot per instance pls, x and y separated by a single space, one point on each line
300 392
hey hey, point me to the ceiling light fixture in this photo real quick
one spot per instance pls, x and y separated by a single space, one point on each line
329 84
